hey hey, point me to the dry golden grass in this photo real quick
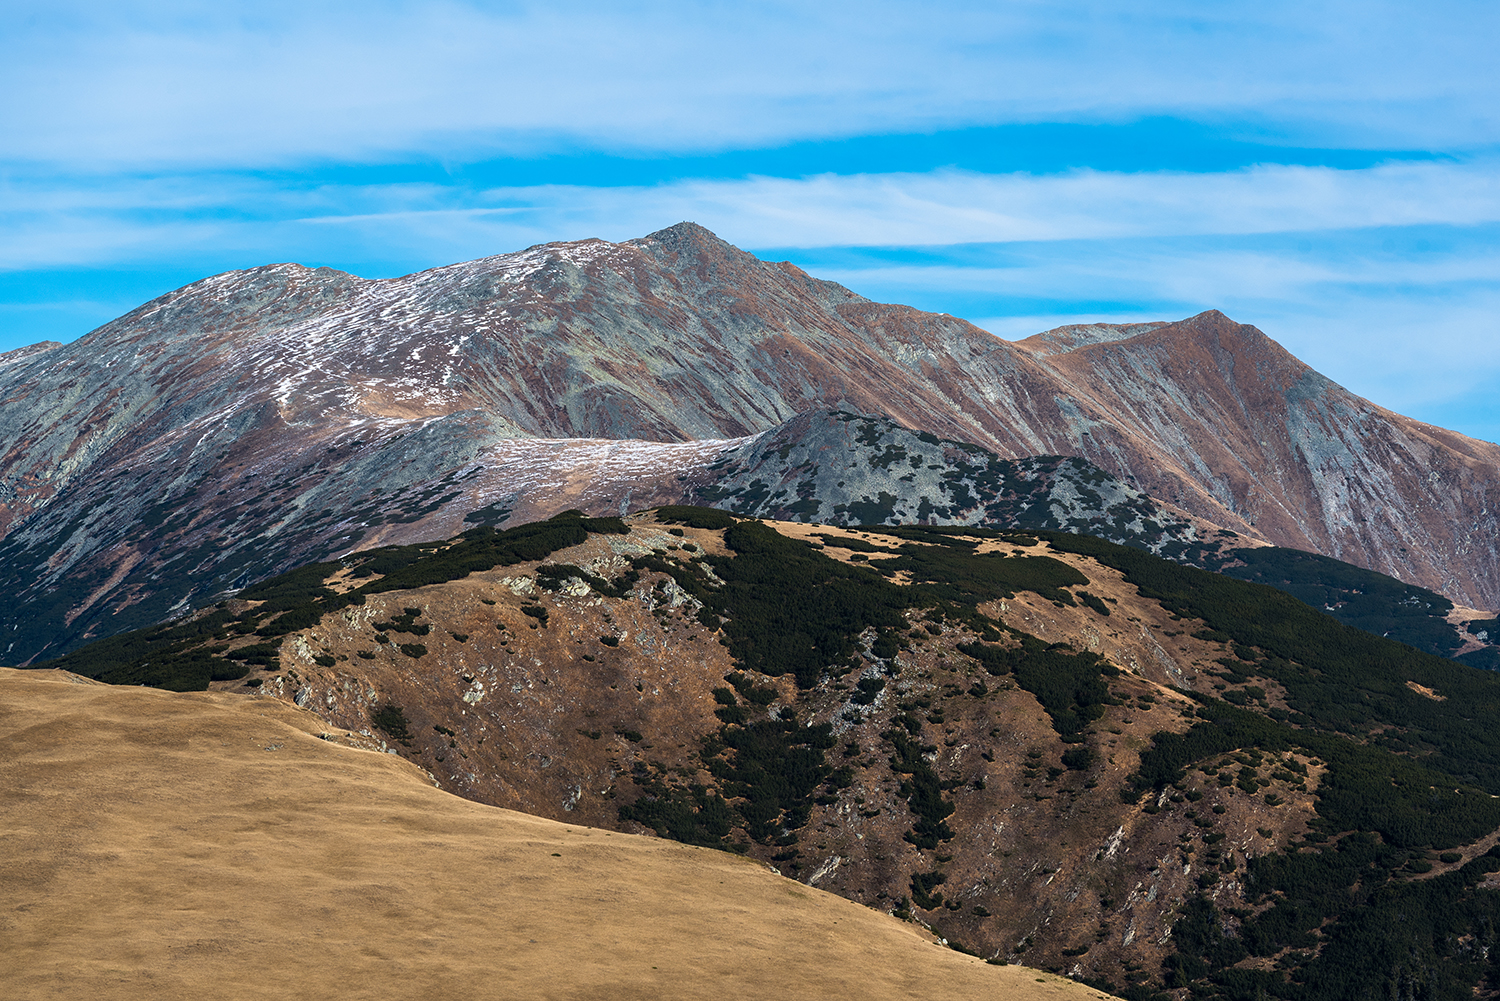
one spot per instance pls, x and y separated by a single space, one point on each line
164 846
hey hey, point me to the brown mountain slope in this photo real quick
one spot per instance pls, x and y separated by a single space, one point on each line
1217 417
190 846
609 702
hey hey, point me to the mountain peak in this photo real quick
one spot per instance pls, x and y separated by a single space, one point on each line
694 241
324 400
683 232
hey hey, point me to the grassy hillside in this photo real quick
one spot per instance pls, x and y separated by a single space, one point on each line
877 677
245 854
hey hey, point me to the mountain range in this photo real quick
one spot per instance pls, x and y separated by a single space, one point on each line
257 420
1124 651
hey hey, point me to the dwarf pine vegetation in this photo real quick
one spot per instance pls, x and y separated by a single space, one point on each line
1374 902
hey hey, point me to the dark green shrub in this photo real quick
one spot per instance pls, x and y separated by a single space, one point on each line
694 517
1095 603
692 815
405 623
750 692
922 885
923 792
225 671
1363 599
302 617
256 653
392 719
772 767
852 544
869 689
1078 758
413 650
731 714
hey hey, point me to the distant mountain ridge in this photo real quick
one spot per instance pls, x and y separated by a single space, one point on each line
840 468
256 420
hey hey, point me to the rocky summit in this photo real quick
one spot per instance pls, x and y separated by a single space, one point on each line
260 419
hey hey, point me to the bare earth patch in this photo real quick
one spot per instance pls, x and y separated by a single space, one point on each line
1426 692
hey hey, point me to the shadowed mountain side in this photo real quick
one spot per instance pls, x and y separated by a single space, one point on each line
240 856
840 468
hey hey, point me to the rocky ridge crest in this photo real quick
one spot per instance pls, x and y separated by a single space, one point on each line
256 420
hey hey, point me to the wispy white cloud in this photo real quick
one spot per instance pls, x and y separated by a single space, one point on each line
948 207
47 223
148 82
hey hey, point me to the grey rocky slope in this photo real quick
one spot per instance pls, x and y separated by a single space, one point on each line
840 468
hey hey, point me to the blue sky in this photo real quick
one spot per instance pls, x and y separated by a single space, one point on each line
1327 171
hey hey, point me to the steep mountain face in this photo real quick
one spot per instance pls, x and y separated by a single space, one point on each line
256 420
1045 747
1238 423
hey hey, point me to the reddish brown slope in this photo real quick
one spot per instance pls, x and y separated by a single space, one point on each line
1219 418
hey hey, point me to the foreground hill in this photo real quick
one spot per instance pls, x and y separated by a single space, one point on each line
189 846
261 419
1046 747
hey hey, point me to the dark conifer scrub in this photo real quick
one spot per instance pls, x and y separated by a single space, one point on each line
1371 903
